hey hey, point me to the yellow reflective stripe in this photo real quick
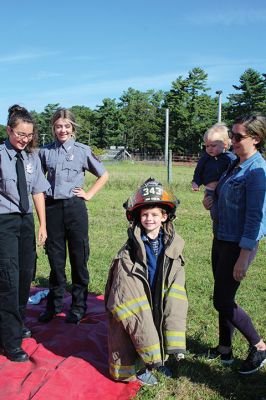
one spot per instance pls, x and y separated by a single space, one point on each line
163 290
147 358
122 371
174 333
175 344
150 353
177 292
130 313
175 339
178 287
177 296
150 348
131 308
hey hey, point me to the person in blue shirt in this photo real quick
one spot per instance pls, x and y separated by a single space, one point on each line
21 178
65 161
239 222
215 161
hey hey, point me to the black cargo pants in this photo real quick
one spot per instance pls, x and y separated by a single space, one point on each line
67 226
17 261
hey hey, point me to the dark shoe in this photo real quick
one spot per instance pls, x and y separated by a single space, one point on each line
166 371
73 318
213 353
26 332
46 316
145 377
255 360
17 354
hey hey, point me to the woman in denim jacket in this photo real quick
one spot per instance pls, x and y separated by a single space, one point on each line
239 221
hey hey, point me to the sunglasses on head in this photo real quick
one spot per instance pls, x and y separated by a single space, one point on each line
237 136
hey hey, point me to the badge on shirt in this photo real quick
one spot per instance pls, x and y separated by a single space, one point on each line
70 157
29 168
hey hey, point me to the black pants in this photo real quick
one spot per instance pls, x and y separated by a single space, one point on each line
67 222
17 260
224 257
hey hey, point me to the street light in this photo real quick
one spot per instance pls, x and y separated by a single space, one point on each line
43 138
219 92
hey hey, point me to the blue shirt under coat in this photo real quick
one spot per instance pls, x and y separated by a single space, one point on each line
152 258
239 209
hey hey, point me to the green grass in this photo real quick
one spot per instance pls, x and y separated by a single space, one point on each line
194 378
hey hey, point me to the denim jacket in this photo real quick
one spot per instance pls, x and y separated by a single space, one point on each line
239 209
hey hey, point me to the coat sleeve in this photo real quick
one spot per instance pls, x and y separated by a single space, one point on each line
129 307
175 310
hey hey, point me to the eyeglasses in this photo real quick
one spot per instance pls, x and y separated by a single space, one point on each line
237 136
21 135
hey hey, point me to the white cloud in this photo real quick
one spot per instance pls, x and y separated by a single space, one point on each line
43 75
25 55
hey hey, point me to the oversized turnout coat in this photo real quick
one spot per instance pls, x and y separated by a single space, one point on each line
144 327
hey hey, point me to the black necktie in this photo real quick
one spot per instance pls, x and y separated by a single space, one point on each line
22 184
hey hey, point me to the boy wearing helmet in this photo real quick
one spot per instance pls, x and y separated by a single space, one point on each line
145 293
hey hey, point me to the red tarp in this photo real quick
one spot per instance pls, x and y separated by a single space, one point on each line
66 361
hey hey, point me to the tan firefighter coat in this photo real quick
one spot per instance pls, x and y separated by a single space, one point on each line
144 327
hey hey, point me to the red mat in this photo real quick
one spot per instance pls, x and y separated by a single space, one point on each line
66 361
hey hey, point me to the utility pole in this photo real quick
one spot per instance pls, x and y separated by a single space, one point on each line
167 152
166 136
169 168
219 92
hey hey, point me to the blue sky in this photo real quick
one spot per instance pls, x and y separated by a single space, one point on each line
79 52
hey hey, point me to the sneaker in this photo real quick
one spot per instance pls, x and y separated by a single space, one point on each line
255 360
179 356
166 371
213 353
146 378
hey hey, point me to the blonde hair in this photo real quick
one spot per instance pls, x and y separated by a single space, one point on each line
66 114
221 131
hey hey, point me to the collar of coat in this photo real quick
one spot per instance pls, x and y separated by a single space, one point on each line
173 243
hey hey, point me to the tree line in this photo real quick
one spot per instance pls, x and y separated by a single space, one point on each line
137 119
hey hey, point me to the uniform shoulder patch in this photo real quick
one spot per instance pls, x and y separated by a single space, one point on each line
81 145
95 157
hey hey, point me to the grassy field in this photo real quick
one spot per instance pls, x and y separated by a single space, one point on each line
194 377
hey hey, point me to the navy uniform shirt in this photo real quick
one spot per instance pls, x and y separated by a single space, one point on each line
210 168
65 164
36 181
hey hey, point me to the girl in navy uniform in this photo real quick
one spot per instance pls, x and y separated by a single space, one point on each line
20 176
65 162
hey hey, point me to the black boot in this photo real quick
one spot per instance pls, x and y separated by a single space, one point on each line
46 316
16 354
